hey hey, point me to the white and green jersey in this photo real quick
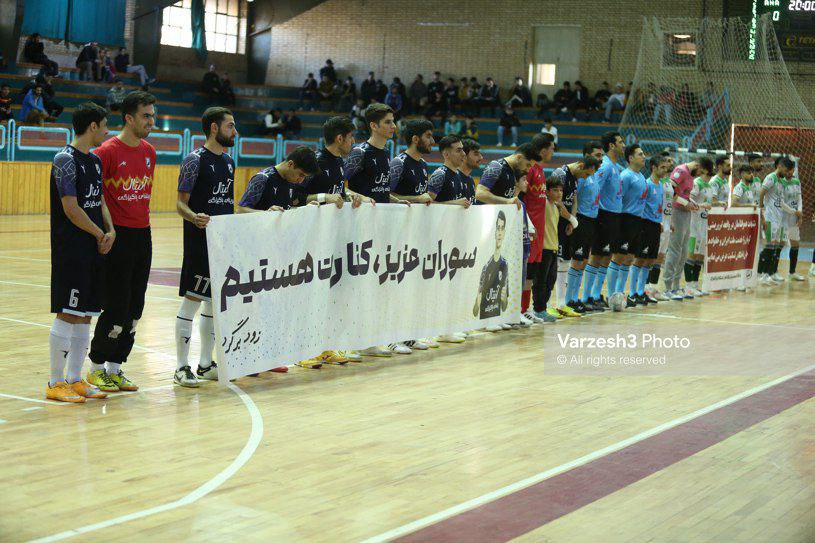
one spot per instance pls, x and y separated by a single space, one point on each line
747 193
792 197
701 193
773 198
667 200
721 188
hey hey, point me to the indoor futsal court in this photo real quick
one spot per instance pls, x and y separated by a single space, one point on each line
557 264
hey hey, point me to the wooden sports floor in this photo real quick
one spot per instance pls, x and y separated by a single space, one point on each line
494 440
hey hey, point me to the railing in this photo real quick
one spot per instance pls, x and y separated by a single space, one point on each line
196 141
63 138
260 148
4 140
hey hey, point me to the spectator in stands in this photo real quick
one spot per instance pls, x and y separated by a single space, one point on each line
394 100
563 97
123 66
115 96
5 103
273 123
435 97
452 126
106 67
475 89
649 101
308 91
519 94
417 95
53 109
708 97
348 94
211 85
34 52
367 90
615 101
580 99
292 125
470 128
329 72
687 104
548 128
666 99
543 103
488 96
451 95
508 122
463 97
33 110
381 91
358 110
88 63
400 87
325 90
601 96
227 93
358 118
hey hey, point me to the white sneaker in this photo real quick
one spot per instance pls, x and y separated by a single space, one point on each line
765 280
417 344
499 144
399 348
451 338
661 297
741 289
354 356
531 316
377 350
812 270
430 342
506 326
524 321
210 373
186 378
796 277
777 277
462 335
494 328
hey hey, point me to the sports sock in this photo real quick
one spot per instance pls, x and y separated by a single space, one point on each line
573 290
183 331
793 259
597 291
112 368
688 270
591 276
613 273
644 272
622 278
525 296
80 339
206 330
562 281
60 345
776 259
635 272
762 260
653 275
697 271
97 367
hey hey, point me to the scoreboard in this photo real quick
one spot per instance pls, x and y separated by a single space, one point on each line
794 22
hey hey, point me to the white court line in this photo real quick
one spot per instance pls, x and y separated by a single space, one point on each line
33 400
765 324
243 457
32 408
149 296
25 258
542 476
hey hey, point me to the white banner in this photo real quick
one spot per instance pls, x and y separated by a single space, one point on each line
731 252
287 286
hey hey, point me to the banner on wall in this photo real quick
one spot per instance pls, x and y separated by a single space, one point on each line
287 286
731 254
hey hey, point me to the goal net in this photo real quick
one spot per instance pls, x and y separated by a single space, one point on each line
720 86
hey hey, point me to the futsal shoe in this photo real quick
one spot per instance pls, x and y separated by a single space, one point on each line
603 302
531 316
311 364
777 277
378 350
764 279
494 328
812 271
208 373
400 348
86 390
101 380
417 345
451 338
554 312
577 307
687 294
796 277
662 297
62 392
567 311
352 356
677 295
332 357
506 326
545 316
630 301
741 289
645 299
524 321
186 378
430 342
123 382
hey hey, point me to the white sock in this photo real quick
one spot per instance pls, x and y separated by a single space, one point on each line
80 339
183 331
60 345
206 330
113 368
562 281
97 367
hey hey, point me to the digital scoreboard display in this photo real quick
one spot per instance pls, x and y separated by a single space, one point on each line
794 22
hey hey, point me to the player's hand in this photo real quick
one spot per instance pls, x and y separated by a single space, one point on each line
201 220
405 202
569 229
533 236
504 296
517 202
799 215
425 199
463 202
356 201
313 203
672 228
335 199
799 220
105 244
276 208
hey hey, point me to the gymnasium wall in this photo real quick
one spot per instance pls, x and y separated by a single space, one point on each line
24 187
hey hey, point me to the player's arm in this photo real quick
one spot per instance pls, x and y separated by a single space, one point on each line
325 198
254 191
415 199
80 219
182 208
364 199
483 194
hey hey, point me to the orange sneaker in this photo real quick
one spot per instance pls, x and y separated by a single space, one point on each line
87 390
61 392
333 357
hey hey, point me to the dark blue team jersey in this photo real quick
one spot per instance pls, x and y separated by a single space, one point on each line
469 187
330 179
569 184
266 189
448 184
78 174
209 180
368 172
408 176
499 178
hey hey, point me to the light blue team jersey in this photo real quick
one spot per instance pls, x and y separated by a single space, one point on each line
608 179
634 193
588 196
652 210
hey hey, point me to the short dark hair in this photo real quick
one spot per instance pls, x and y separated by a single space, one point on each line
376 112
501 217
608 139
554 183
211 115
786 162
304 158
336 126
540 142
655 161
706 164
721 159
85 114
416 127
630 150
591 146
753 156
447 141
134 99
529 151
745 168
589 161
470 145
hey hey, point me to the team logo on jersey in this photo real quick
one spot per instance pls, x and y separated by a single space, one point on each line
83 168
607 247
98 169
123 163
645 251
624 245
147 161
579 251
213 167
230 168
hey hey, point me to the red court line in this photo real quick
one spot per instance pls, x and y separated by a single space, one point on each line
528 509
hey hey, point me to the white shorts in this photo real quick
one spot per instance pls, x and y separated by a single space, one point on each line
775 232
793 233
665 236
698 237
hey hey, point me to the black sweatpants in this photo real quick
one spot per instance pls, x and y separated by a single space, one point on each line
543 275
127 269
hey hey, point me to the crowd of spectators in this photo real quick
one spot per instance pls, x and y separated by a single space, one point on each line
218 88
276 122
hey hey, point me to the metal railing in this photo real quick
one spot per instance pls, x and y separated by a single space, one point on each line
21 130
274 154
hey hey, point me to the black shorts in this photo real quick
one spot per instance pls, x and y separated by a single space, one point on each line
606 232
565 242
628 242
649 239
77 282
582 237
195 271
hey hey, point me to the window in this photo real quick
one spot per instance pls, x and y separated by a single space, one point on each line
224 20
545 74
679 51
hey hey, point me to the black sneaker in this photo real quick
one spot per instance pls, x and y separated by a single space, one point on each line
595 306
650 300
631 301
186 378
603 302
577 307
210 373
